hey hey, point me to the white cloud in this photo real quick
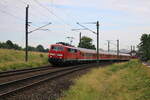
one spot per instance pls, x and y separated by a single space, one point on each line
125 19
130 6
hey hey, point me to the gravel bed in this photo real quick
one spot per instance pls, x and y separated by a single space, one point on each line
50 90
24 75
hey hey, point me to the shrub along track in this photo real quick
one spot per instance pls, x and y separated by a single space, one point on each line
9 87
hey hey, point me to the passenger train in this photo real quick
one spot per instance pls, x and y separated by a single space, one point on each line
60 54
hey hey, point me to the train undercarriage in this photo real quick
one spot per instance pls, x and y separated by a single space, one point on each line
61 62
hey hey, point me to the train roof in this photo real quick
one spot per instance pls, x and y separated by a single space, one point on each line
101 52
93 51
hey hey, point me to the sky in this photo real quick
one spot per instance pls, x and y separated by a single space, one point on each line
125 20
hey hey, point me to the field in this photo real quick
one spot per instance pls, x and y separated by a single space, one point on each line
14 59
123 81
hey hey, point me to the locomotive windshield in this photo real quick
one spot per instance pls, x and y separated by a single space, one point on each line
57 48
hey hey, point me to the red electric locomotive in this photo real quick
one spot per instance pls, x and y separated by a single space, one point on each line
61 53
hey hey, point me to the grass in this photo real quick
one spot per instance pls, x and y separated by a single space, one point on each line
14 59
124 81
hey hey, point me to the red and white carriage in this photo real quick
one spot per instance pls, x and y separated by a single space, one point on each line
63 54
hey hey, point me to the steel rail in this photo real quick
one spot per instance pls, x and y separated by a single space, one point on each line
48 76
23 71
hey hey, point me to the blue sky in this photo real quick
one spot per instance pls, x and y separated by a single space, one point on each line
125 20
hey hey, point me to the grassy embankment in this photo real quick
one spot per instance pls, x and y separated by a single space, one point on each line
124 81
14 59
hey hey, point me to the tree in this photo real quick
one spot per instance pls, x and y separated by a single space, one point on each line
144 47
16 47
1 45
9 44
86 42
46 50
30 48
40 48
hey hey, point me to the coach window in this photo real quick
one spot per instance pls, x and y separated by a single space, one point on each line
83 54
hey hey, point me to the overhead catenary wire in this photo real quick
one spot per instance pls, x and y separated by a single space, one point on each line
15 8
66 13
31 16
86 28
10 14
15 17
23 2
33 9
21 19
52 4
52 13
44 7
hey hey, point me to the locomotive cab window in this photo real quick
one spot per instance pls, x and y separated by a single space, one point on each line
57 48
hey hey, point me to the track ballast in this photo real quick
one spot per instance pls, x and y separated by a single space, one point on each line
11 87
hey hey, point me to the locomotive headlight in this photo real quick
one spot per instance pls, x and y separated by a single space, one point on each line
59 55
52 54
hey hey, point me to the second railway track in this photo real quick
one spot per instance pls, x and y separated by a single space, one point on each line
22 71
10 87
18 74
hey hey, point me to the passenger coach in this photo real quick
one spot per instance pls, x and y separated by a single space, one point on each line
61 53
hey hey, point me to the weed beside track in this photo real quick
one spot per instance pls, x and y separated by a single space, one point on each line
124 81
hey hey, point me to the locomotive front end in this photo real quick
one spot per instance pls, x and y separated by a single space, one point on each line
56 54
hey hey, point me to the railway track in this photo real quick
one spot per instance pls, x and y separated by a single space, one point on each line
23 71
10 87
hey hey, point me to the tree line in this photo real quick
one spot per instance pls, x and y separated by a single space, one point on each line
86 42
10 45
